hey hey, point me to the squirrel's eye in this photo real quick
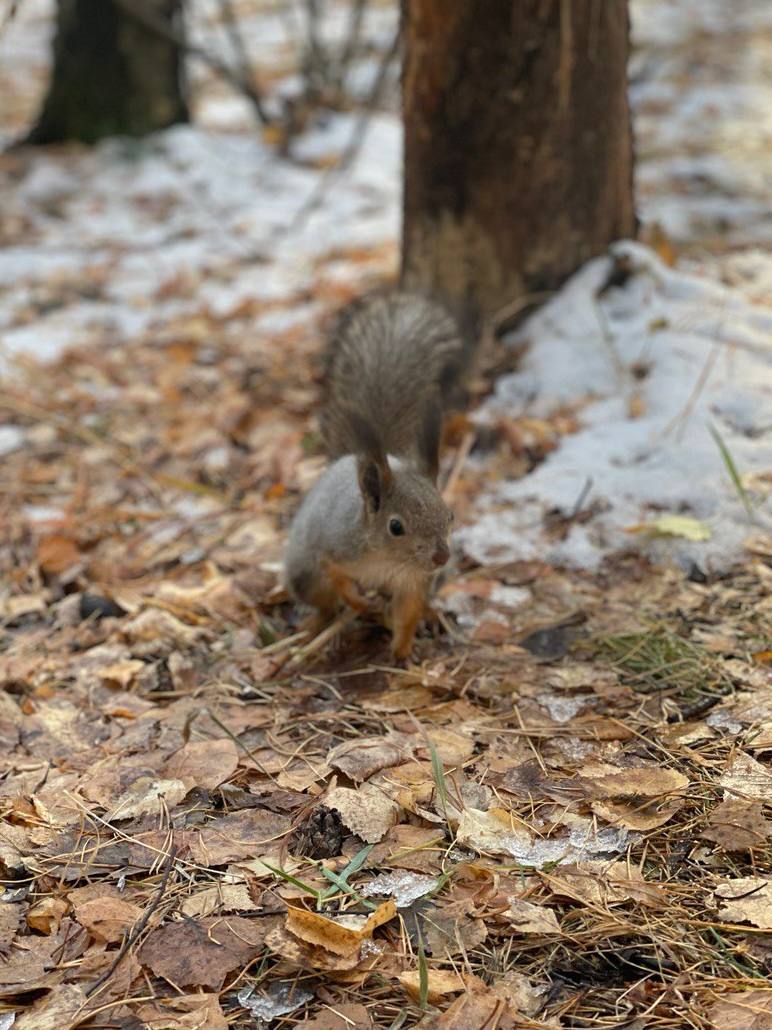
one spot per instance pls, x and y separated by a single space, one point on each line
396 528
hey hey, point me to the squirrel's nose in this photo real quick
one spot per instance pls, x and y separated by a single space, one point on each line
441 554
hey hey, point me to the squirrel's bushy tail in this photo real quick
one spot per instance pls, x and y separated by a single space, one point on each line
392 362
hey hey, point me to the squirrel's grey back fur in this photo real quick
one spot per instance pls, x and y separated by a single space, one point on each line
391 361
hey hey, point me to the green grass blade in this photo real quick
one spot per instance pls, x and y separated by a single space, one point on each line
292 879
731 468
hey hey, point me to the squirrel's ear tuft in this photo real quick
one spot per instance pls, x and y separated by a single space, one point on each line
374 477
430 431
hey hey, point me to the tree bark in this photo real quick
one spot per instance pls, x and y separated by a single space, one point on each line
113 74
518 146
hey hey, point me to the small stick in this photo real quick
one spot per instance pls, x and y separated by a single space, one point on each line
458 464
322 639
137 929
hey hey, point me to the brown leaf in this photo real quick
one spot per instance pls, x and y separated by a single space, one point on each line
201 952
367 812
738 826
359 759
56 1011
746 778
525 917
646 782
148 796
476 1010
341 1017
342 935
441 982
192 1012
10 918
107 918
747 899
744 1010
46 915
253 833
204 763
313 957
451 930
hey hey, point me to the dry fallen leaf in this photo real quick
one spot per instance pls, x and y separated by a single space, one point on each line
746 778
201 952
55 1011
747 899
526 918
342 935
359 759
743 1010
204 763
46 915
148 796
367 812
341 1017
738 826
107 918
441 982
253 833
191 1012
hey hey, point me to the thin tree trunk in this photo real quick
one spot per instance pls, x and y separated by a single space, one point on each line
112 75
518 146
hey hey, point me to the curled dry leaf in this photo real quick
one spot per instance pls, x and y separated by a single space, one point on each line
316 958
223 897
367 812
604 883
641 815
342 935
748 899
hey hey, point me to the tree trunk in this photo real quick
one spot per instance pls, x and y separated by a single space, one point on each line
113 74
518 146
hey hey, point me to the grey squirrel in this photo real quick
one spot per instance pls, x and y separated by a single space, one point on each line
375 519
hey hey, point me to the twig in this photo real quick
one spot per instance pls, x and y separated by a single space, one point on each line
459 461
353 35
352 148
242 56
137 10
322 639
138 927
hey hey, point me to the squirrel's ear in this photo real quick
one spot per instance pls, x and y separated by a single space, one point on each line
374 476
429 435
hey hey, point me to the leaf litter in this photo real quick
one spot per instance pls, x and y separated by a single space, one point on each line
565 801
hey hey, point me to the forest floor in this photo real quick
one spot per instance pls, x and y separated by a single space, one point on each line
559 814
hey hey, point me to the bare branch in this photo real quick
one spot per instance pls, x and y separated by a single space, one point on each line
141 13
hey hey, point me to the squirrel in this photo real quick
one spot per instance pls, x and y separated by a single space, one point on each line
375 518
